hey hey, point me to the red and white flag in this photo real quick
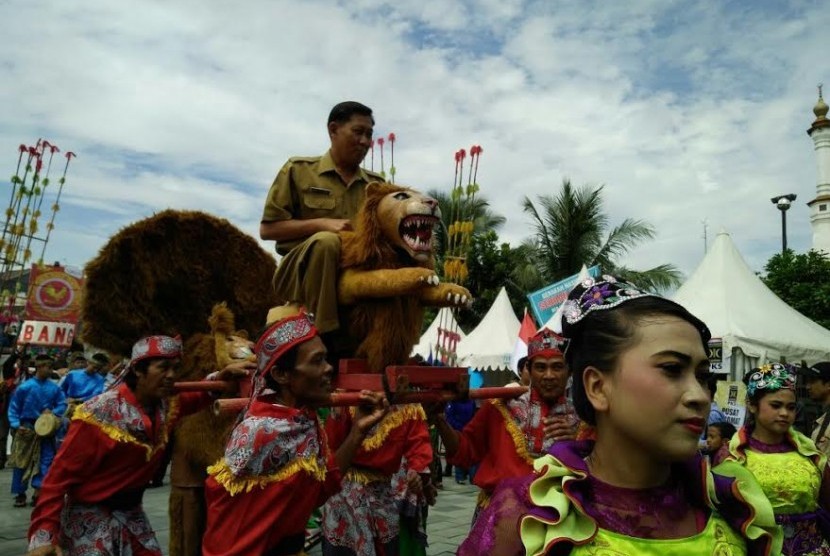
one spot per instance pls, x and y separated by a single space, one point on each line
526 331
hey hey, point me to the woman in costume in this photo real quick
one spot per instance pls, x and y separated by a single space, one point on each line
277 465
787 465
90 501
639 365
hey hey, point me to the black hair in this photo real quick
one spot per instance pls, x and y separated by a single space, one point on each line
600 338
131 378
101 358
727 430
285 364
520 365
712 384
343 112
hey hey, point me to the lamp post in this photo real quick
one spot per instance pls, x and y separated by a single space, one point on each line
783 203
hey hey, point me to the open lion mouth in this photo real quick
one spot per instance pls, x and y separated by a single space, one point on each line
416 231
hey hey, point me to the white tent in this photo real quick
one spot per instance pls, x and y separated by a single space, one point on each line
444 319
491 344
755 324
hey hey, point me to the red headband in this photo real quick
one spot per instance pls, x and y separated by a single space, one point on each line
546 344
280 337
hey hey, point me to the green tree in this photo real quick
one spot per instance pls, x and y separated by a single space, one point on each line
490 266
803 282
478 211
571 229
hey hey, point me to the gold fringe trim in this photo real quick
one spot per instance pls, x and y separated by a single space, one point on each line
393 420
483 500
119 435
234 485
514 432
365 477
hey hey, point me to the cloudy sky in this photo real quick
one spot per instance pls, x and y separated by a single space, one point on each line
687 111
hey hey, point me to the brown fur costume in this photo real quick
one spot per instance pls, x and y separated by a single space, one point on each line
383 289
165 274
199 439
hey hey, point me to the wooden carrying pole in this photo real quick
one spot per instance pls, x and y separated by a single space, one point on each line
342 399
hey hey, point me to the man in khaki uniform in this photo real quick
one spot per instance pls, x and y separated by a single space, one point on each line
817 378
310 201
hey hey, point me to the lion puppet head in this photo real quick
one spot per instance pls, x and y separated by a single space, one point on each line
394 228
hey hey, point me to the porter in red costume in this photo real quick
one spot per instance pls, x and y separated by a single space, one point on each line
363 518
115 443
277 465
505 437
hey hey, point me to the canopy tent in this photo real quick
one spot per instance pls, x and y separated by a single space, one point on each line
436 335
491 344
755 325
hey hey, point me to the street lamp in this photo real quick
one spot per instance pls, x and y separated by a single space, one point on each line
783 203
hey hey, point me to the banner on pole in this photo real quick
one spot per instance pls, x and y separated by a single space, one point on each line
54 295
546 301
43 333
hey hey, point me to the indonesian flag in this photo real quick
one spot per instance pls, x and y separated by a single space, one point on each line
526 332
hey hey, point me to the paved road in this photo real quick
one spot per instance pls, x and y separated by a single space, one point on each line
447 526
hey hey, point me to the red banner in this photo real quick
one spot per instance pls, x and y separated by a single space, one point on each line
54 295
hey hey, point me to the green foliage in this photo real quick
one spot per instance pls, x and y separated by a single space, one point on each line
803 282
490 267
571 229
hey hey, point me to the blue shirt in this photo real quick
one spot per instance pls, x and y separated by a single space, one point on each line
81 385
32 398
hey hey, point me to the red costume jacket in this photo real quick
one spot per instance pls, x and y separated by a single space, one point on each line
504 438
277 468
112 448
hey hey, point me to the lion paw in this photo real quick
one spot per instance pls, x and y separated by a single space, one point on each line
448 294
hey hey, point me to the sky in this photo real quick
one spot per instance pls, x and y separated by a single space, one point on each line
687 112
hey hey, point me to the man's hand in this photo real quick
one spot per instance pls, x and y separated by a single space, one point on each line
335 224
46 551
414 484
236 370
434 411
373 407
559 428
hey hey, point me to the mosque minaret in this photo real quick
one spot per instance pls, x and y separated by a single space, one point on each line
819 132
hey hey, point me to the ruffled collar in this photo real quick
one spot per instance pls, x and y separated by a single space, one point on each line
794 440
562 488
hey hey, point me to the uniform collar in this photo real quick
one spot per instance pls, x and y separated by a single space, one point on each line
326 165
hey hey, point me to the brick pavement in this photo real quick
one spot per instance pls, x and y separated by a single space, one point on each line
448 524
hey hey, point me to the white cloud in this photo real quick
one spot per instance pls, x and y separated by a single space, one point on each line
686 111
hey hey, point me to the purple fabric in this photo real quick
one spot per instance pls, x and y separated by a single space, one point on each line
764 448
674 510
803 533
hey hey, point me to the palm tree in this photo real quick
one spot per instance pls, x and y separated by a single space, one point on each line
478 211
571 231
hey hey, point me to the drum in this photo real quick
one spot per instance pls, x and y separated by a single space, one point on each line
47 425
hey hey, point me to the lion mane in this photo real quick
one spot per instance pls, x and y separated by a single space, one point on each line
383 290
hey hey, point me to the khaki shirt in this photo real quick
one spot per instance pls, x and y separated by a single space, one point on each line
310 187
823 443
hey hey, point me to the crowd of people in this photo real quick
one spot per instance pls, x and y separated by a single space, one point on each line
614 446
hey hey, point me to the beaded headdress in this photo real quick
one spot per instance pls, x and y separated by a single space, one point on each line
771 378
601 294
546 344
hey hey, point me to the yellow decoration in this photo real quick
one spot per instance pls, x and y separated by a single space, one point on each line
234 485
119 435
393 420
514 432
